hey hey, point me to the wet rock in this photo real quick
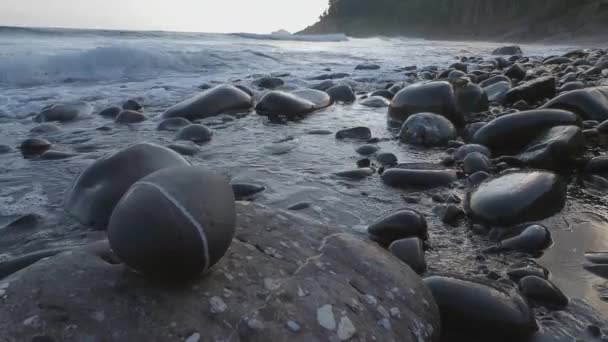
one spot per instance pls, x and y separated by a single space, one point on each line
522 105
589 103
411 252
34 147
471 99
99 187
196 133
571 86
319 98
4 149
331 76
427 129
357 174
323 86
341 93
469 130
495 79
416 178
398 225
359 133
215 101
597 257
475 162
512 132
478 309
278 103
111 112
324 263
64 112
508 50
434 97
130 116
478 177
519 273
533 91
299 206
383 93
56 155
245 89
557 61
465 150
185 149
45 128
517 197
173 124
365 162
367 150
184 244
132 105
269 82
542 291
376 102
451 214
497 92
532 239
367 66
555 148
386 159
597 165
516 72
244 190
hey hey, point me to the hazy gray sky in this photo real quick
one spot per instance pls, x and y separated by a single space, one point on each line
181 15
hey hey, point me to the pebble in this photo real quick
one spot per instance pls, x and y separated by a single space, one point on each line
217 305
293 326
325 317
193 338
346 329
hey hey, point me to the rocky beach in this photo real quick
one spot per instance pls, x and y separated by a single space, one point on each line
361 190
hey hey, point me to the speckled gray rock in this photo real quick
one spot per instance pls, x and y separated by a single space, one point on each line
427 129
280 268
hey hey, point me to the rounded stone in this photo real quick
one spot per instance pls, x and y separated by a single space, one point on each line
533 91
185 149
497 92
508 50
175 223
495 79
357 174
411 252
45 128
132 105
475 162
34 147
359 133
376 102
533 239
56 155
130 116
367 150
471 99
542 291
269 82
589 103
319 98
420 179
465 150
427 129
387 159
196 133
398 225
469 306
434 97
518 197
342 93
244 190
478 177
173 124
100 186
383 93
63 112
278 103
215 101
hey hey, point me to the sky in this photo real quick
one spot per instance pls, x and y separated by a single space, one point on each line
258 16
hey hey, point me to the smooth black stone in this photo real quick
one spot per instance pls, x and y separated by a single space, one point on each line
597 257
56 155
185 149
319 132
589 103
519 273
411 252
434 97
571 86
34 147
173 124
323 86
319 98
99 187
359 133
512 132
278 103
555 148
386 159
244 190
45 128
215 101
508 50
427 129
332 76
517 197
534 90
478 177
367 150
516 72
175 223
475 162
376 102
398 225
415 178
245 89
269 82
469 130
367 66
557 61
479 309
365 162
64 112
497 92
341 93
598 270
471 99
542 291
465 150
132 105
451 214
196 133
533 239
130 116
597 165
357 174
383 93
495 79
299 206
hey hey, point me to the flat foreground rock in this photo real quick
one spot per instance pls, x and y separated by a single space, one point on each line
284 278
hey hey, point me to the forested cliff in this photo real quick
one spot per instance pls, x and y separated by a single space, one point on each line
524 19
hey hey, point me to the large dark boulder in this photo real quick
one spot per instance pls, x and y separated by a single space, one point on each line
533 91
512 132
215 101
517 197
497 92
284 278
555 148
589 103
278 103
434 97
